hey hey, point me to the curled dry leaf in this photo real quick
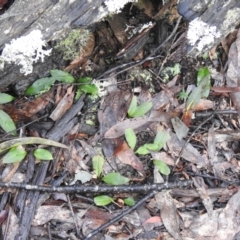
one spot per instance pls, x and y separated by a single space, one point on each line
189 153
126 155
65 103
118 129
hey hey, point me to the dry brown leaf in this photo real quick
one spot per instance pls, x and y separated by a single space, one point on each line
189 153
137 124
65 103
155 219
168 212
23 110
233 72
126 155
163 156
45 214
223 225
204 104
201 189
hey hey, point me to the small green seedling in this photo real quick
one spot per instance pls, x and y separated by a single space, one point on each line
43 85
162 167
202 90
6 122
43 154
160 140
104 200
138 111
17 152
129 201
131 138
86 87
115 178
98 162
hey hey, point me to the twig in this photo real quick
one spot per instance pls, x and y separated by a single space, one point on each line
115 219
98 189
73 216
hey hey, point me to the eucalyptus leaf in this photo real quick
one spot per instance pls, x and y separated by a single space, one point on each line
14 155
162 167
129 201
40 86
5 98
43 154
62 76
103 200
115 179
131 138
98 162
7 123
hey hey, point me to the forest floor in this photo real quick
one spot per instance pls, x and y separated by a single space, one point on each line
150 138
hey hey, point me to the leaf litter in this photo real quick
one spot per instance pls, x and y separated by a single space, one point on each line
207 154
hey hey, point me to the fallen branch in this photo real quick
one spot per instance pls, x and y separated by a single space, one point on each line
99 188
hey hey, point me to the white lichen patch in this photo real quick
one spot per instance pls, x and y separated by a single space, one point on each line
25 51
231 19
114 6
200 34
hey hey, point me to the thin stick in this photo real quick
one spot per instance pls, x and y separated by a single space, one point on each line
118 217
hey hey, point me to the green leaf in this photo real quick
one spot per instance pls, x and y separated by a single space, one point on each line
183 95
133 107
103 200
84 80
89 88
5 98
7 123
14 155
115 179
161 139
151 146
131 138
202 72
142 150
129 201
162 167
98 162
204 80
194 97
142 109
40 86
43 154
78 94
62 76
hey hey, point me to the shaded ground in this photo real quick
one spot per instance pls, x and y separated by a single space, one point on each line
185 188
